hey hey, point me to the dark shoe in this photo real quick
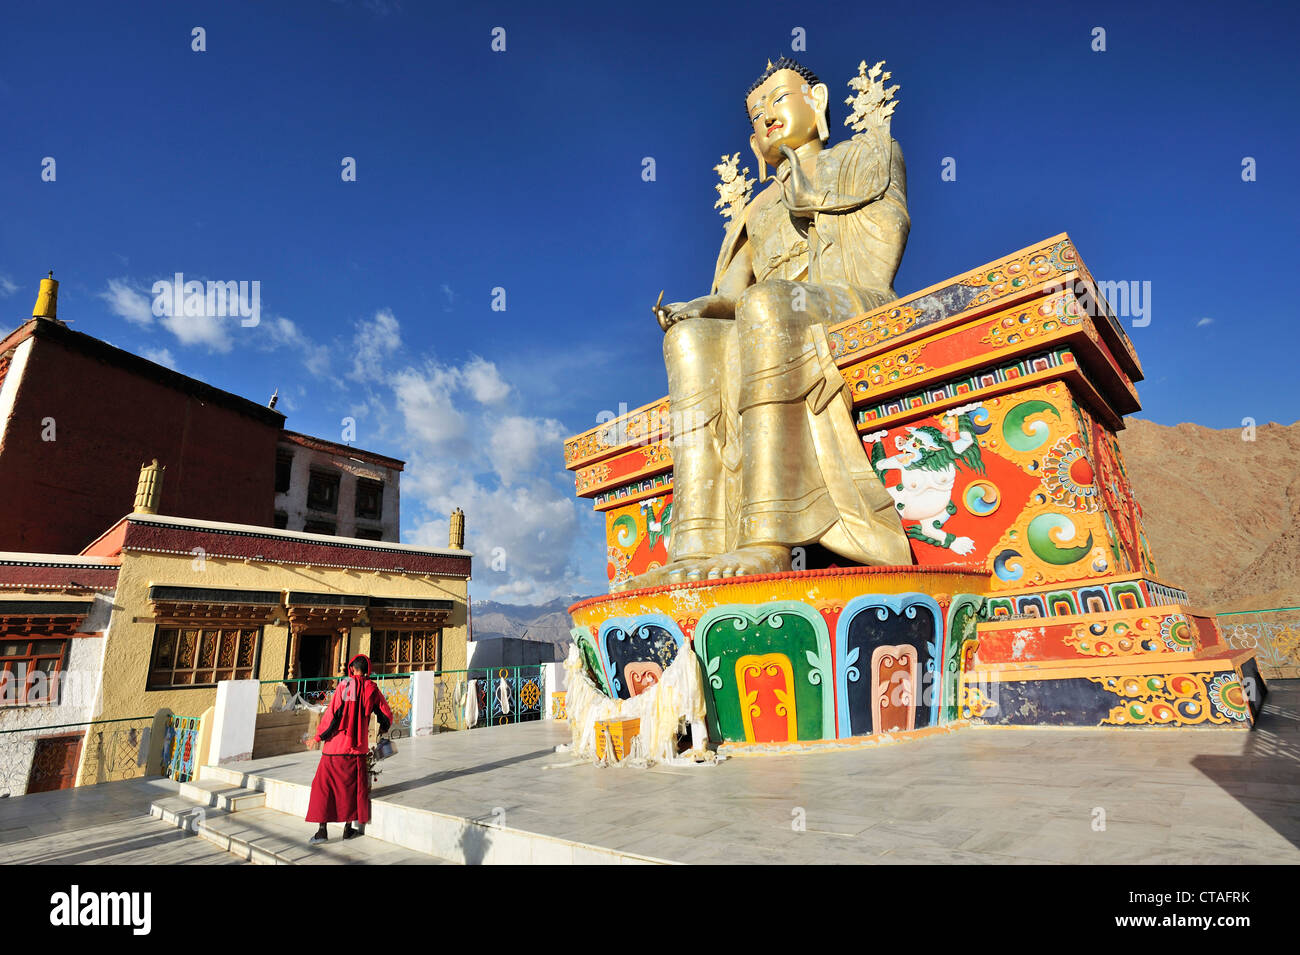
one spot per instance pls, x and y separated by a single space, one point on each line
350 833
321 836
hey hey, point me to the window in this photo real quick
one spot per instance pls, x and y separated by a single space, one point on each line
283 471
370 499
318 527
202 655
405 651
369 534
29 670
281 520
323 491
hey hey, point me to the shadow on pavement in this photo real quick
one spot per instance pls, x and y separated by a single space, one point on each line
1265 778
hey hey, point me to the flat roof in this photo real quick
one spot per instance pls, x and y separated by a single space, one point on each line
256 530
90 345
346 450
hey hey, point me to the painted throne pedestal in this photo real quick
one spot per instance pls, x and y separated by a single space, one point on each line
1039 605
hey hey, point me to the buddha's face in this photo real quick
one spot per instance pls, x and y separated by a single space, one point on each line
784 112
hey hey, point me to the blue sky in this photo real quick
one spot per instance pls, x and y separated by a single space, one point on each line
521 170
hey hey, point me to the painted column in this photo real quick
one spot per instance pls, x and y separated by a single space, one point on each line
345 642
295 630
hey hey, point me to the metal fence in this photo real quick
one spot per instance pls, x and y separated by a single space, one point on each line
501 695
396 688
280 695
42 758
1274 635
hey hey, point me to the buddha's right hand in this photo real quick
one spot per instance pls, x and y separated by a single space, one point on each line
706 306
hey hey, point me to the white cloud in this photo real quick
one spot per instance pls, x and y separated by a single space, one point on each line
126 301
7 287
515 444
210 331
424 399
129 302
1205 321
286 334
484 381
162 356
375 340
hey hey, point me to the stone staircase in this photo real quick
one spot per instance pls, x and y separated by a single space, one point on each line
236 819
259 818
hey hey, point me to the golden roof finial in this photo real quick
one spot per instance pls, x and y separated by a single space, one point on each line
456 535
148 492
47 299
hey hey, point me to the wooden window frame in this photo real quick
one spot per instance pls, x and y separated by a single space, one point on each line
380 660
283 458
320 474
33 664
365 488
215 672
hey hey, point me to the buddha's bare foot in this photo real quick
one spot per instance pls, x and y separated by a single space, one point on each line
670 573
754 559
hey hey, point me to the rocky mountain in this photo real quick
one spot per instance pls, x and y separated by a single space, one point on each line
1222 512
548 623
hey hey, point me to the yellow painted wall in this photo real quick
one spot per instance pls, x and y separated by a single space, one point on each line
126 658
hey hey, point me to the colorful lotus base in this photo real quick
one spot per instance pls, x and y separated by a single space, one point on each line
841 654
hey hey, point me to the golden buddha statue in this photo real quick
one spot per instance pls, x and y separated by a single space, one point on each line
766 456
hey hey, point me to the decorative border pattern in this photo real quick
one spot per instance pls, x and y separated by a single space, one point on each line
640 427
973 290
919 400
1175 699
630 492
1081 598
222 543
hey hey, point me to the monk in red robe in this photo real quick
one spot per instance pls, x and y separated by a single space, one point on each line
341 790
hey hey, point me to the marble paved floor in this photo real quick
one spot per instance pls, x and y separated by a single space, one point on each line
108 824
974 796
977 795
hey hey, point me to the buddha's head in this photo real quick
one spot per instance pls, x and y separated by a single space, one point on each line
786 107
